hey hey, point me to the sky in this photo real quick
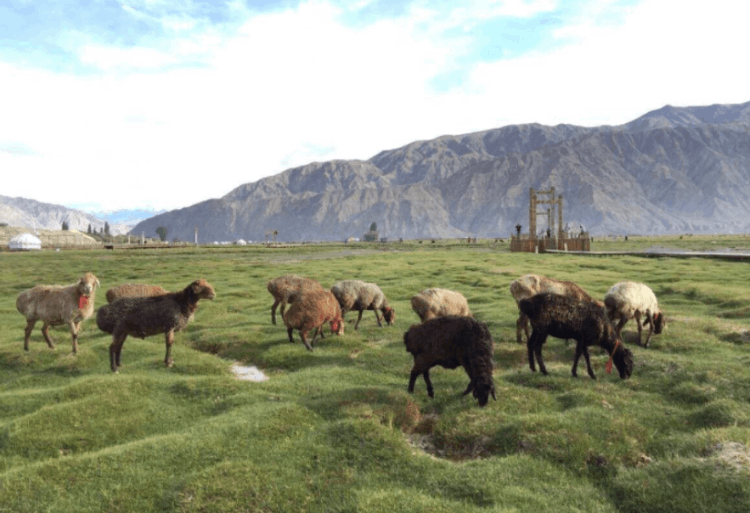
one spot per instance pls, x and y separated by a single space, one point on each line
161 104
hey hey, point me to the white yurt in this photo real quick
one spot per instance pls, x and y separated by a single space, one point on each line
241 242
24 242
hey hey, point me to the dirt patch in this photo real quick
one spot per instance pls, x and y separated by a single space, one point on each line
248 373
731 454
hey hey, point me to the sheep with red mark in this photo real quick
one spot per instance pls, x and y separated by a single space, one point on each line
532 284
134 290
431 303
630 300
361 296
58 304
584 321
310 311
145 316
285 289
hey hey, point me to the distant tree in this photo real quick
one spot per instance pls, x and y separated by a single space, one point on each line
374 227
162 233
89 230
106 229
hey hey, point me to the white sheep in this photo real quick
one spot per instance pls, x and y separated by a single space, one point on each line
630 300
530 285
361 296
58 304
431 303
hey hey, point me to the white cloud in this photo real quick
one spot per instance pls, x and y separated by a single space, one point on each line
295 86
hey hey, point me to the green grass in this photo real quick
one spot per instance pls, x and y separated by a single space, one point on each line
335 430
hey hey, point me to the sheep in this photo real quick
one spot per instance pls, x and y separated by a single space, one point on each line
134 289
431 303
285 289
144 316
532 284
450 341
584 321
629 300
358 295
58 304
310 311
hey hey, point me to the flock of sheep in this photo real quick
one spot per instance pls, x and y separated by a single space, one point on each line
448 335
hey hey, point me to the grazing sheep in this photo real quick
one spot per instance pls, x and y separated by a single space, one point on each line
451 341
134 289
533 284
629 300
285 289
431 303
144 316
584 321
358 295
58 304
311 311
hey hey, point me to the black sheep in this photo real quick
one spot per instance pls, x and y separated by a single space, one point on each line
584 321
449 342
144 316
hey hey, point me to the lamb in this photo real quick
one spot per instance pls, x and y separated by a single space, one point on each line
584 321
58 304
358 295
532 284
431 303
285 289
144 316
311 311
450 341
134 289
629 300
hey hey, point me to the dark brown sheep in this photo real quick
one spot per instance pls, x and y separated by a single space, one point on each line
310 311
451 341
584 321
285 289
144 316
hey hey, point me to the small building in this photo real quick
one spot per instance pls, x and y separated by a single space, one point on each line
24 242
240 242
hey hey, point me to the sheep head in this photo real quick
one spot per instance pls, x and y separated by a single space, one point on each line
337 326
483 387
660 322
389 314
87 284
623 360
201 289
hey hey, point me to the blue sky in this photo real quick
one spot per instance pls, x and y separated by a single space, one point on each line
165 103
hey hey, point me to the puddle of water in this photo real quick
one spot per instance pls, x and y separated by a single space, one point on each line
251 373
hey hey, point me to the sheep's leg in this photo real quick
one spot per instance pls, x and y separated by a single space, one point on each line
45 332
273 311
427 381
530 348
318 330
74 334
640 328
538 353
413 378
650 329
358 319
620 324
377 317
115 350
579 352
534 346
588 362
169 339
522 325
470 387
289 332
27 333
303 336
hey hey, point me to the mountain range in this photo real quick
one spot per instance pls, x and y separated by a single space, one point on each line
672 170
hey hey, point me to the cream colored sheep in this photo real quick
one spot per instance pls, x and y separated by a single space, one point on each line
432 303
134 290
630 300
361 296
58 304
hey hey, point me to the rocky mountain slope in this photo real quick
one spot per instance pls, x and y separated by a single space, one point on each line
673 170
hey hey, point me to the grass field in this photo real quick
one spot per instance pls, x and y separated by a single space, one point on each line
335 430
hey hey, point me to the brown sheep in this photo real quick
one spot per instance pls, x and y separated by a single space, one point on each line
361 296
450 341
431 303
144 316
285 289
311 311
533 284
134 289
58 304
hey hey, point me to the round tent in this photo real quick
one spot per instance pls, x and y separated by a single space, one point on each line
24 241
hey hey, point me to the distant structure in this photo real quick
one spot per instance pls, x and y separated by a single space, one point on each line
24 242
538 242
